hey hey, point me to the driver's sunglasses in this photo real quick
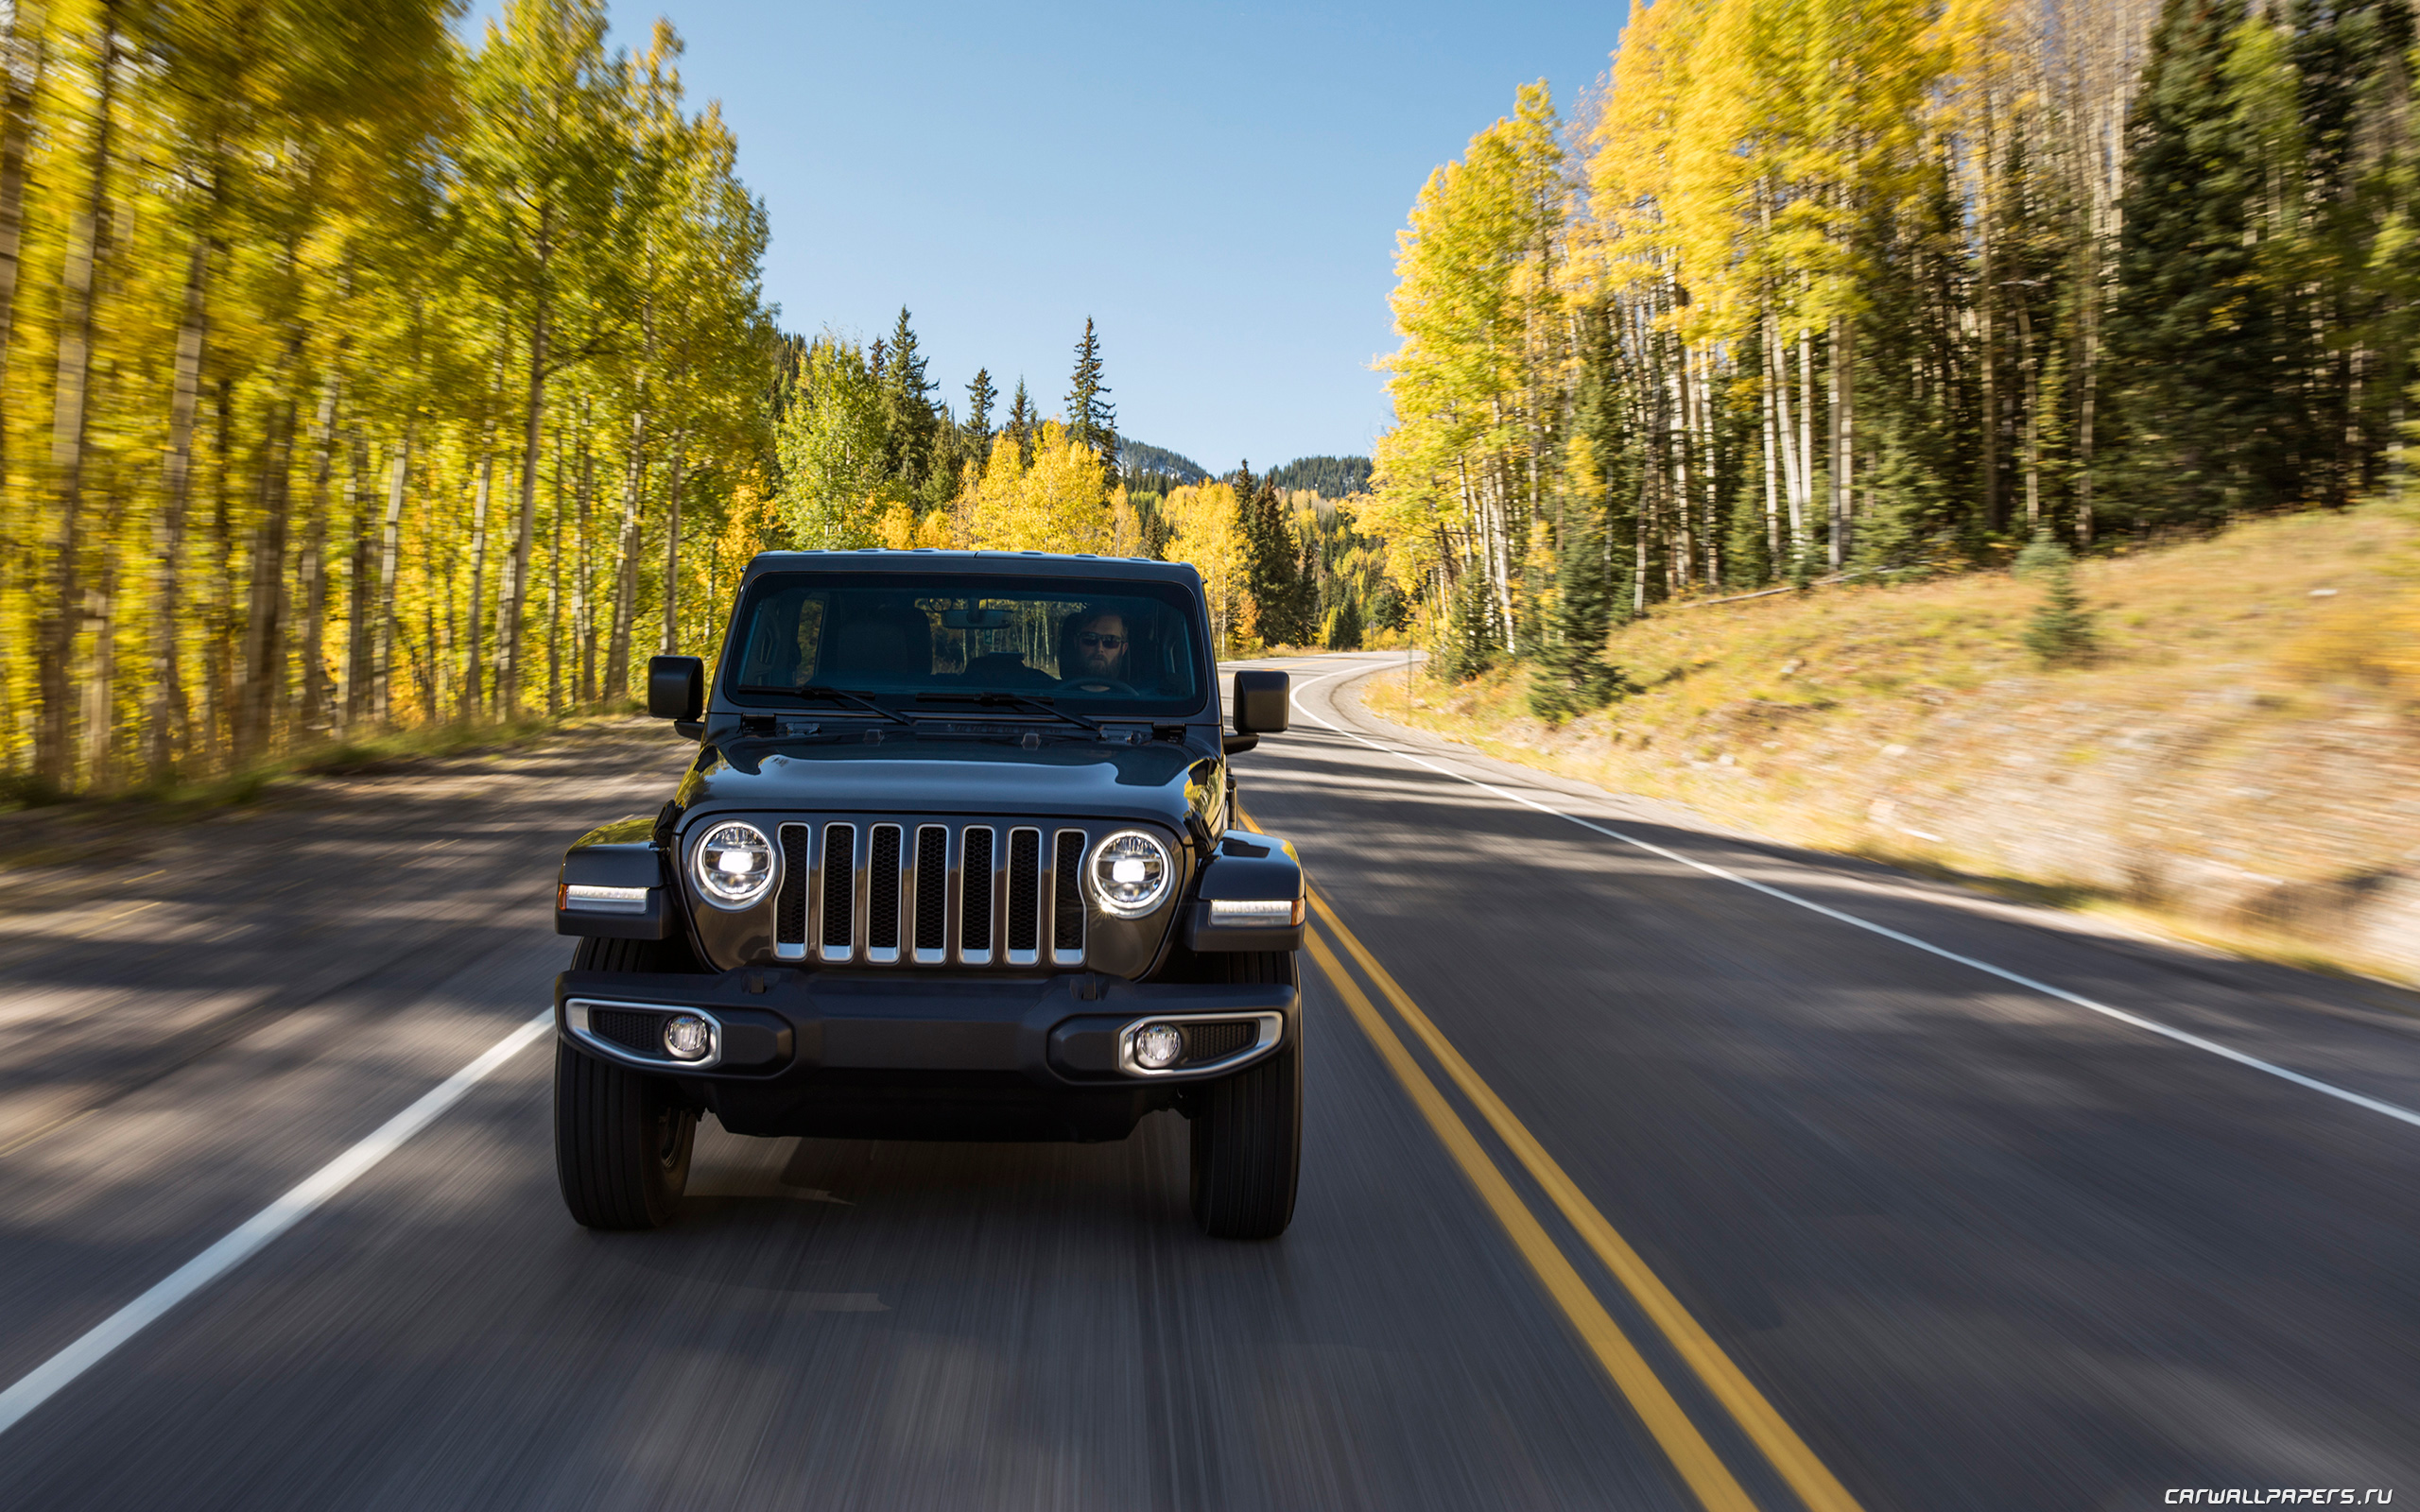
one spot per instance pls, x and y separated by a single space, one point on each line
1107 642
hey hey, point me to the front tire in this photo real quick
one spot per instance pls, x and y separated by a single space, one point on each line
1248 1130
622 1137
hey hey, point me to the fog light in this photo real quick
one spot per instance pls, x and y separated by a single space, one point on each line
686 1037
1158 1046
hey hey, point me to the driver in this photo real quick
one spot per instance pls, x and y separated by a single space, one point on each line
1096 642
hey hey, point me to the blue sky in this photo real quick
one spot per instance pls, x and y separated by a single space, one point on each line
1218 187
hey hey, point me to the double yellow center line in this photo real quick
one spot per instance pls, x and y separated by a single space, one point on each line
1696 1461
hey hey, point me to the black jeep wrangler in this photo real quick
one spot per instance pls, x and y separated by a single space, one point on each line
954 862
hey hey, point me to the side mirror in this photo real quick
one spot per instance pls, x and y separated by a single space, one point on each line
1261 705
676 687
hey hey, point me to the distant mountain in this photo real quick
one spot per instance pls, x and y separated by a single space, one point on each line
1135 456
1332 477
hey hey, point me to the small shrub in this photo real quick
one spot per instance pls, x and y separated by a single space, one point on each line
1572 680
24 790
2043 554
2061 630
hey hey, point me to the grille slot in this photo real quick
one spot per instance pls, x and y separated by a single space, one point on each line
839 888
1067 898
882 895
975 906
642 1034
932 892
1216 1042
789 909
1025 895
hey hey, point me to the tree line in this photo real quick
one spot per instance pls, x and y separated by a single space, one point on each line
870 456
1890 287
358 374
351 374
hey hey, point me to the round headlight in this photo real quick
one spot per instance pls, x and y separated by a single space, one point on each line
734 864
1131 873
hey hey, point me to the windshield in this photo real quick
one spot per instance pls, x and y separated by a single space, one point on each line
1096 647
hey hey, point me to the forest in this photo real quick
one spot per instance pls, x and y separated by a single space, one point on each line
1889 288
354 375
360 374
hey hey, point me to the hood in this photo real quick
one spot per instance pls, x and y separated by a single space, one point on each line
1154 780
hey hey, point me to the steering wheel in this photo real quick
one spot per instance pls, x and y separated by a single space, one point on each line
1107 685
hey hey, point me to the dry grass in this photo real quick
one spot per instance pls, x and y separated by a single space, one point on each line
2241 756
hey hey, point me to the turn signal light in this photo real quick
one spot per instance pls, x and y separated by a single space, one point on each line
1265 912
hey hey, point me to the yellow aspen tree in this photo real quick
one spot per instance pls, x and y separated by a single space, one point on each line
1207 522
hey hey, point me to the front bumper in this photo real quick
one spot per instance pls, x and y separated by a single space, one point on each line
916 1057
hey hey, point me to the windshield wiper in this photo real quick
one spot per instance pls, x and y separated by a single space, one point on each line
1014 700
832 696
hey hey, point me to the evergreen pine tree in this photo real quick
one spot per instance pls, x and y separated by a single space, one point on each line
1021 424
1469 632
1092 420
1344 630
910 425
1273 569
1572 676
2350 63
2210 405
980 397
1604 463
2061 630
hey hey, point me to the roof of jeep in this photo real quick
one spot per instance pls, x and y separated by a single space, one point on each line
1003 563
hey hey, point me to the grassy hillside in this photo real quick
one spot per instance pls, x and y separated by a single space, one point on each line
2241 760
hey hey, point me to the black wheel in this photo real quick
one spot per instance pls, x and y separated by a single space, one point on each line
1248 1128
622 1137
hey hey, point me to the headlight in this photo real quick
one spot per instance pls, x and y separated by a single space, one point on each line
1131 873
734 864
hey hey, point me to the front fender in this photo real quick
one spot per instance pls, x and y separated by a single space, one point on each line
1247 867
624 858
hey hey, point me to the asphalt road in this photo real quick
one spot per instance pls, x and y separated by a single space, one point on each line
1889 1231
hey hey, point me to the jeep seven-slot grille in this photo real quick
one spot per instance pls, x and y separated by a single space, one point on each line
973 894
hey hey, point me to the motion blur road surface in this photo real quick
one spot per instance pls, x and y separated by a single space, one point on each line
1900 1234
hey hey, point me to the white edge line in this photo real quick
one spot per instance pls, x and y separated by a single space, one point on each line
46 1380
2343 1094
